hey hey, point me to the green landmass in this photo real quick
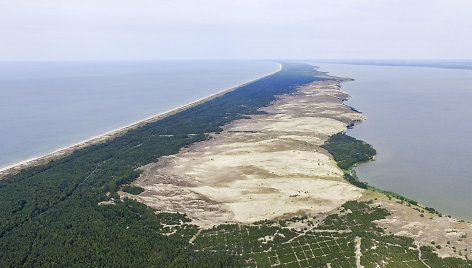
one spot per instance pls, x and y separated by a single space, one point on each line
52 216
132 189
348 151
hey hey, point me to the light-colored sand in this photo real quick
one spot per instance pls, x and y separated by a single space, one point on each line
266 167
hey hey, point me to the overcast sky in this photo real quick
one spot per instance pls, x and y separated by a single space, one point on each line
219 29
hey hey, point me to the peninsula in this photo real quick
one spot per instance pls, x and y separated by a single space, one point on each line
257 176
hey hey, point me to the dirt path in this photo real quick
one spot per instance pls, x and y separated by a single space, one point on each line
358 252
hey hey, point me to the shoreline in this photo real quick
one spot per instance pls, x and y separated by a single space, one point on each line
413 219
436 65
43 159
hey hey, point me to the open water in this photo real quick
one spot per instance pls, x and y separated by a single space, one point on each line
45 106
419 120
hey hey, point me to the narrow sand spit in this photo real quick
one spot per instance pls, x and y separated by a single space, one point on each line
15 168
266 167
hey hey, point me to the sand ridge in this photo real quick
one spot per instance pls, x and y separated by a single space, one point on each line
266 167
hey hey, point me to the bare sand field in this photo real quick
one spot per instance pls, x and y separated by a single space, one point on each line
267 167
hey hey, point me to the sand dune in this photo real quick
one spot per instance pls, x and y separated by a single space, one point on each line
266 167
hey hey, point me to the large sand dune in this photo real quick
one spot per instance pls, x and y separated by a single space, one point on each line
266 167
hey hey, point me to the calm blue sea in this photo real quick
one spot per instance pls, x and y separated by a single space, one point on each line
419 120
45 106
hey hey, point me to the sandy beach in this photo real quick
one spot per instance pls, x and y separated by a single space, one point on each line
16 167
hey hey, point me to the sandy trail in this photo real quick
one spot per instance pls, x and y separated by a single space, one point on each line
266 167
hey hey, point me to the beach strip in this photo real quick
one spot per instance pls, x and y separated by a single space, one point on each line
17 167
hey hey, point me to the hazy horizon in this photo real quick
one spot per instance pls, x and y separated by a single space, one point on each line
341 60
54 30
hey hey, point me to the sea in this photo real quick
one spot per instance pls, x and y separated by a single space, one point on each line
46 106
419 119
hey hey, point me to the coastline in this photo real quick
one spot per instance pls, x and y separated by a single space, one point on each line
43 159
409 218
404 165
466 65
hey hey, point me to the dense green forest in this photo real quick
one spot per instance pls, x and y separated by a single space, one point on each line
51 214
348 151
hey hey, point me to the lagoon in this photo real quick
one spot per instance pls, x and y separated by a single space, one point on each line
419 121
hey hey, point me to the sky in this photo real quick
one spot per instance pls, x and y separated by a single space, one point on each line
236 29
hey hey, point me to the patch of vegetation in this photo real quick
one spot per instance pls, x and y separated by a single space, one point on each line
132 189
433 260
348 151
354 180
397 196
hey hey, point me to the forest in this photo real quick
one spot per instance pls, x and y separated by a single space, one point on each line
348 151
